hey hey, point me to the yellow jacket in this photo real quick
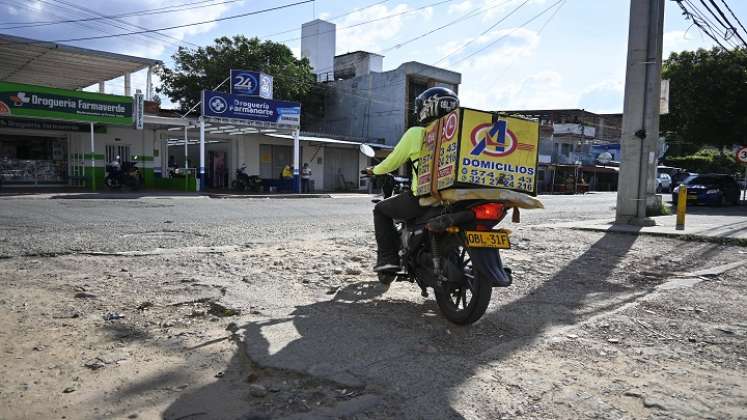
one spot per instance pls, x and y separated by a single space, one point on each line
408 148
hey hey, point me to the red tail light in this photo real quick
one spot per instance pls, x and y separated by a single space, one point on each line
489 211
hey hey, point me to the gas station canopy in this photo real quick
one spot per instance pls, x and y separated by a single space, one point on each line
24 60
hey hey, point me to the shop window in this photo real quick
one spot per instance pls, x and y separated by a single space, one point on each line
33 160
121 150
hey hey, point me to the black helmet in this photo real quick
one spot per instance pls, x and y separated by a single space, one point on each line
434 103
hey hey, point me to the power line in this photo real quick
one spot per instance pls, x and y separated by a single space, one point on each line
689 16
706 21
156 36
256 12
469 42
730 25
332 19
146 12
739 22
470 14
438 3
535 17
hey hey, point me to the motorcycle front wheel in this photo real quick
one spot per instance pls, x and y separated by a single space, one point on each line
466 296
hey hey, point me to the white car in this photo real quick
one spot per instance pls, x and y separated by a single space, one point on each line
663 183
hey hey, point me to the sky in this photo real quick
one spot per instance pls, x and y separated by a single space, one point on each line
510 56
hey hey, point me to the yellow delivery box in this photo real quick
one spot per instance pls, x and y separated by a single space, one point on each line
470 148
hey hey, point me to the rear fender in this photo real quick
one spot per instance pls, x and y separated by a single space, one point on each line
487 263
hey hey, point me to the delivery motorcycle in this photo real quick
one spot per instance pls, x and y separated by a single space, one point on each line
126 175
246 182
455 250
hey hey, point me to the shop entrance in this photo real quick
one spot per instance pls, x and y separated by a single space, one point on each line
33 160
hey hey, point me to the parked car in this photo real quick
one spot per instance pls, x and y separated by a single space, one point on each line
710 189
663 183
676 174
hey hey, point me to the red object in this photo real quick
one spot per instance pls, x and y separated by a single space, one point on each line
489 211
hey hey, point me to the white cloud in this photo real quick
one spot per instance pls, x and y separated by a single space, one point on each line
603 97
460 7
503 7
371 36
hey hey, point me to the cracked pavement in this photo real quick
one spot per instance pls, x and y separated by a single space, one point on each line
249 309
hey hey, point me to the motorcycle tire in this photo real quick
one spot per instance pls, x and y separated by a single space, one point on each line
479 289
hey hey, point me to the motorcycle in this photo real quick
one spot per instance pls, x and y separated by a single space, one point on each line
454 250
126 175
246 182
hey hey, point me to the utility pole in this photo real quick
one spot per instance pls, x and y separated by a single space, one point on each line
637 181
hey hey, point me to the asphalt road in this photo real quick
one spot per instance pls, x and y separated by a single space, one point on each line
39 225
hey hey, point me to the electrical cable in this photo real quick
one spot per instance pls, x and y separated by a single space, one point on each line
535 17
332 19
730 25
695 20
739 22
241 15
470 14
469 42
146 12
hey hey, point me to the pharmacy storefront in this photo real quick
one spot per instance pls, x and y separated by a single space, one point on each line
47 134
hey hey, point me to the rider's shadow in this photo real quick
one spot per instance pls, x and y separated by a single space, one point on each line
408 352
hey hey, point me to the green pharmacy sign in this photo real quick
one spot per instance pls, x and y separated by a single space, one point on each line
20 100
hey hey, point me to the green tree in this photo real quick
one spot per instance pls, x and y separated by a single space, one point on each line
708 99
206 67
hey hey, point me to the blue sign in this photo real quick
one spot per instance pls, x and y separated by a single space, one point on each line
242 107
253 83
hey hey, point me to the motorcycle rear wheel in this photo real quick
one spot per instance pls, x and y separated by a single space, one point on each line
463 302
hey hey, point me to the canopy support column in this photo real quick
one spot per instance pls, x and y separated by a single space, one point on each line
201 185
149 84
93 160
186 157
296 160
127 84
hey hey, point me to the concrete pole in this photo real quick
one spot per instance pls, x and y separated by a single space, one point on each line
93 161
201 185
102 87
127 84
640 132
296 159
186 149
149 84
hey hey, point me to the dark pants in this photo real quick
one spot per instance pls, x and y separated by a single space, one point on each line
305 185
402 207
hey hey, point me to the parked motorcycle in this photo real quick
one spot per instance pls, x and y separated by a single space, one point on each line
454 250
126 174
246 182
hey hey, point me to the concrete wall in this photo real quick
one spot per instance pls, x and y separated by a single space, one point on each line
318 45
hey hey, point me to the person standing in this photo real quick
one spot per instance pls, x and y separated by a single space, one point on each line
306 178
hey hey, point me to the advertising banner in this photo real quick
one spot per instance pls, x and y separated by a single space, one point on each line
29 124
498 152
470 148
241 107
252 83
20 100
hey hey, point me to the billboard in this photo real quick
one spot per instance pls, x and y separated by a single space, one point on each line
242 107
21 100
252 83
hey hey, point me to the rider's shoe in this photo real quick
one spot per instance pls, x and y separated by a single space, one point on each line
387 268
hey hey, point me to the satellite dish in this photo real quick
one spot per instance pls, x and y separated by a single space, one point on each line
604 158
367 150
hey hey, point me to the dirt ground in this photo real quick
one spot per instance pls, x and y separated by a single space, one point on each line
595 326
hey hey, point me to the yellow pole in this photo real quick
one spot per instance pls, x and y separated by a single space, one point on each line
681 207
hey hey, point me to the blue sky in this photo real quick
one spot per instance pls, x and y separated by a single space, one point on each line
572 56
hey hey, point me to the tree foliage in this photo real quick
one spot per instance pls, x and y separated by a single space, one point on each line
708 99
206 67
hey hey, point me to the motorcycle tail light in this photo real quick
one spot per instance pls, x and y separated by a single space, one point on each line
489 211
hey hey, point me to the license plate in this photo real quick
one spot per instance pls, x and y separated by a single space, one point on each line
498 240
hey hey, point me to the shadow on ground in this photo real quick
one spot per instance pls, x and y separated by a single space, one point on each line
406 353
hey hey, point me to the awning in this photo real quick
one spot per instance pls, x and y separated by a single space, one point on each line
314 139
24 60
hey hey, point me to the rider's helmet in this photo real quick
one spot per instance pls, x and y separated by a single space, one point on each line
434 103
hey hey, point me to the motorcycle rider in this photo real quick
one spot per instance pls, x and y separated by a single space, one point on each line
430 105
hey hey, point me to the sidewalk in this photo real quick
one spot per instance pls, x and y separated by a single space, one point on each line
728 228
83 194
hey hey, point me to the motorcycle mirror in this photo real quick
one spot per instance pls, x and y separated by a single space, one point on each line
367 150
134 157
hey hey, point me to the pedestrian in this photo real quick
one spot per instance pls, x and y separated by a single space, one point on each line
306 178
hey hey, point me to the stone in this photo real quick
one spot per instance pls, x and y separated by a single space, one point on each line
613 340
653 403
84 295
352 270
257 391
69 390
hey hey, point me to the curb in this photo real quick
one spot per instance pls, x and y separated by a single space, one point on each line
269 196
688 237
